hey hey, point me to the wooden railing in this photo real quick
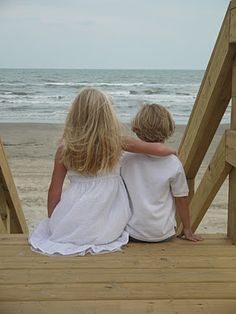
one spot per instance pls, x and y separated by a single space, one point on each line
12 218
217 88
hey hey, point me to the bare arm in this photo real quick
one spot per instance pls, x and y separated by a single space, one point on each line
57 180
137 146
182 205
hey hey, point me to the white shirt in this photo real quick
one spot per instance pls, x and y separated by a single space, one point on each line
152 183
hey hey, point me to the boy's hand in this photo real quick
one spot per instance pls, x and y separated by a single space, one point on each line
187 234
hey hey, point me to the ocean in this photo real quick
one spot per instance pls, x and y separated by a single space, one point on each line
45 95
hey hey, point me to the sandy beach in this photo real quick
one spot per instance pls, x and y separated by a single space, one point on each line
30 150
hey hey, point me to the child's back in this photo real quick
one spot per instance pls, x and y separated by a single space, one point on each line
90 217
92 213
151 183
155 184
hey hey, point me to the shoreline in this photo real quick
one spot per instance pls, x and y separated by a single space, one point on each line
30 149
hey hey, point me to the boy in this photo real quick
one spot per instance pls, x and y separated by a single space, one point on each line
155 184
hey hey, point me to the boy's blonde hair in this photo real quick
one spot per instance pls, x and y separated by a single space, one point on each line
92 137
153 123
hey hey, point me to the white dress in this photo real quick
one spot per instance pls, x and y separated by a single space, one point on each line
90 218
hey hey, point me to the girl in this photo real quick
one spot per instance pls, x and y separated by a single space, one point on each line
92 213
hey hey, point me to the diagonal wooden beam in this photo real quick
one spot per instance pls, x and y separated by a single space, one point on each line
212 180
17 223
211 102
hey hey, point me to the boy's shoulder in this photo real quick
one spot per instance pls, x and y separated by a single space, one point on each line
130 157
127 157
174 158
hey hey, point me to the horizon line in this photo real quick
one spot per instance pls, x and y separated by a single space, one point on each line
129 69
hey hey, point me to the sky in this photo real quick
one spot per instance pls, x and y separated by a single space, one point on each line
109 34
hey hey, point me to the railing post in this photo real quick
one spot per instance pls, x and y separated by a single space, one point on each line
12 215
232 176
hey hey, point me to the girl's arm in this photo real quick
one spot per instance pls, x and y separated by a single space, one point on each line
57 180
137 146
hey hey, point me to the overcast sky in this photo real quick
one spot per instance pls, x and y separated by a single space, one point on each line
126 34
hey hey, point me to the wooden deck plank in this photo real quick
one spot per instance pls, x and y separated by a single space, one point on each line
136 250
123 306
209 239
175 277
119 262
98 275
117 291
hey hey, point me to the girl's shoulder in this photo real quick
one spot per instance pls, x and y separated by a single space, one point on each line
59 151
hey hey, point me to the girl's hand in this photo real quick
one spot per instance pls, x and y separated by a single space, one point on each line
187 234
137 146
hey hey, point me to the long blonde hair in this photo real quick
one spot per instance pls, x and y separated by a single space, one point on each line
153 123
92 138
